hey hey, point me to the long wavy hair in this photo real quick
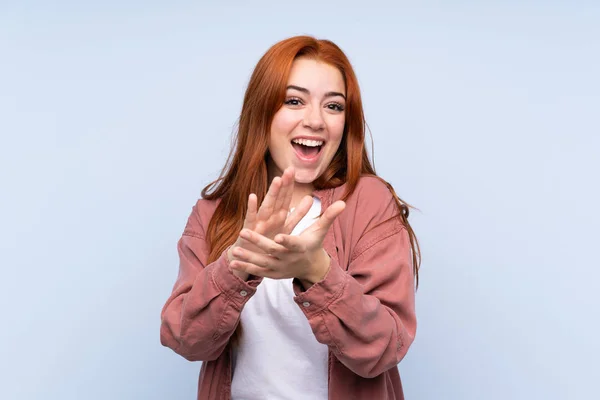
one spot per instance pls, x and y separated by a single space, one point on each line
245 171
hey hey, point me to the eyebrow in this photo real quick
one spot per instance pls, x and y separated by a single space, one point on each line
304 90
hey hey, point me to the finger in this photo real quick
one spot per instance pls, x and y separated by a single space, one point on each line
266 208
250 220
265 244
332 212
287 200
283 192
261 260
251 269
292 243
299 212
320 228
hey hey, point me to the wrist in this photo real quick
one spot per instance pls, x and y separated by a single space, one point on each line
319 270
240 274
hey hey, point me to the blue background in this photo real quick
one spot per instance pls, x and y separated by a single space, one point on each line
484 115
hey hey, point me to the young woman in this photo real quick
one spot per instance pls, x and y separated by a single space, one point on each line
298 266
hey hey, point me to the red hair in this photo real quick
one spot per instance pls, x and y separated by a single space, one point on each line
245 171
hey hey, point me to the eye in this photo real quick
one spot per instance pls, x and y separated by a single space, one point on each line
335 107
293 101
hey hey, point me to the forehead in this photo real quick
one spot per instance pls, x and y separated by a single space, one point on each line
316 76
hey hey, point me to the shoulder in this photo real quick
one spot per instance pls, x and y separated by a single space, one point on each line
371 196
199 218
374 186
371 215
371 205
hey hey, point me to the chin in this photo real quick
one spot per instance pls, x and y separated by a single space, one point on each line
303 177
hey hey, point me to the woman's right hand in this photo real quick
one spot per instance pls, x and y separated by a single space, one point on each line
273 217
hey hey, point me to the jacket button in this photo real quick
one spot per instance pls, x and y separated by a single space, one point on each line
243 293
306 304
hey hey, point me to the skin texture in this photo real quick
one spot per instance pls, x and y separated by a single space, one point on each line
313 109
310 110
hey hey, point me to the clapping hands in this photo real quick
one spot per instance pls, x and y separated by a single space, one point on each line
265 247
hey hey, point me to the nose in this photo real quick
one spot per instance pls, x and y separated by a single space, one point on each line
313 119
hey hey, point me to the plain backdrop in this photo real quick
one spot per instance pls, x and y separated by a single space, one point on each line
484 116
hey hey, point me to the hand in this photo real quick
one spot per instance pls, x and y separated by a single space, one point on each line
286 256
272 218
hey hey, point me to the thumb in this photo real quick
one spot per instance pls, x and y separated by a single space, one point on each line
332 212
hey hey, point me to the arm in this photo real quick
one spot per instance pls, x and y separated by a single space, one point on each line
204 308
366 315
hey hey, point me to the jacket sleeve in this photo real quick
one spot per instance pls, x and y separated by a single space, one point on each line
366 315
204 307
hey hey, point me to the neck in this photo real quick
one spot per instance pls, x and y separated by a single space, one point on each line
300 191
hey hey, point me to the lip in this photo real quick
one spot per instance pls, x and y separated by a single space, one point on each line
303 158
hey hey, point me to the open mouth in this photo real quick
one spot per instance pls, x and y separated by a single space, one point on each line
307 149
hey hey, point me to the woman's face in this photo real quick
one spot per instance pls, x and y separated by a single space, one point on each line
307 130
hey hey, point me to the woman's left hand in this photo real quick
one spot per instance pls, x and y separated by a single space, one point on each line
287 256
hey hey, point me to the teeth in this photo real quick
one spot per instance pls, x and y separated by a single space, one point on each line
310 143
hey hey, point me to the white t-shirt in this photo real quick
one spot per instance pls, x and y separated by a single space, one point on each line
278 356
